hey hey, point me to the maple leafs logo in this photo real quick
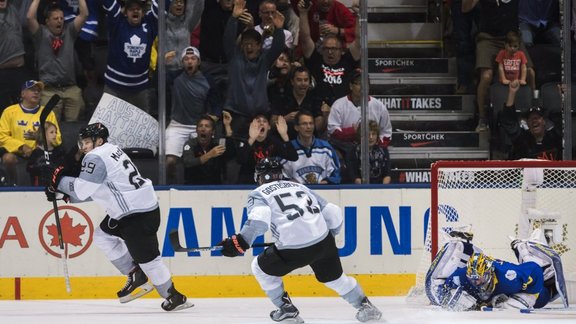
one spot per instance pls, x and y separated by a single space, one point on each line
77 231
71 234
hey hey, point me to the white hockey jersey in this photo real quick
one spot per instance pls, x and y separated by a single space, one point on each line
295 215
111 179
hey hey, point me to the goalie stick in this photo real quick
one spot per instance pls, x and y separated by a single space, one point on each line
175 242
569 311
63 255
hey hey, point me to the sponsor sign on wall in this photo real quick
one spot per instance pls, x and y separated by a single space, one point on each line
383 232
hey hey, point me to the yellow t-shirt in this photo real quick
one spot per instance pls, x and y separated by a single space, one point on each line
16 121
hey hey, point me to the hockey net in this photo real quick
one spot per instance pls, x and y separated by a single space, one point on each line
499 201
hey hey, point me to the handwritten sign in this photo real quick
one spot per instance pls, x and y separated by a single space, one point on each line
129 125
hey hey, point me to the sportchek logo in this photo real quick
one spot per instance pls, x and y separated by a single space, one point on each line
423 139
393 63
77 231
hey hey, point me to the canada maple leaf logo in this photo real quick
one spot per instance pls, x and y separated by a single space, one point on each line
71 234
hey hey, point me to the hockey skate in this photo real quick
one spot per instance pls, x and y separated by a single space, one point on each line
368 312
176 301
136 286
287 313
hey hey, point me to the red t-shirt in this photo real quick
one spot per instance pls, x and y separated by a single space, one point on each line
512 63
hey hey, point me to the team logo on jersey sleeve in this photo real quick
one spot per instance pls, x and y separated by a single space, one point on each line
510 275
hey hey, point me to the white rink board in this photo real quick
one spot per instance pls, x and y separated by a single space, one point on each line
383 235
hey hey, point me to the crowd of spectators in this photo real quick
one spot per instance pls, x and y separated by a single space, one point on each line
245 79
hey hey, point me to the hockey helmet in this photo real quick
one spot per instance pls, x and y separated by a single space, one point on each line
94 131
268 170
480 274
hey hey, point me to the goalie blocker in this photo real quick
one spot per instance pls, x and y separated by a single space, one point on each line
454 255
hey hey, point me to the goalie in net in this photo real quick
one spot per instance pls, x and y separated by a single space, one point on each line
462 277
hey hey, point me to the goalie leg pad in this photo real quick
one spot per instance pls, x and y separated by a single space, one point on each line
516 301
452 256
549 260
459 300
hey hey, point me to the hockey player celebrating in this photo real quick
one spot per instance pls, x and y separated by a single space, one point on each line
127 235
484 281
303 225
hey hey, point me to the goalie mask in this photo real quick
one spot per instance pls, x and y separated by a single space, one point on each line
480 274
268 170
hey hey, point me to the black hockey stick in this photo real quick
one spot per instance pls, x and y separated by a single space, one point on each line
175 242
64 255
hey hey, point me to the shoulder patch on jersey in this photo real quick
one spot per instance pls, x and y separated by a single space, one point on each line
510 275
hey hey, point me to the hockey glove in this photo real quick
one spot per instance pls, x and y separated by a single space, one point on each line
53 195
234 246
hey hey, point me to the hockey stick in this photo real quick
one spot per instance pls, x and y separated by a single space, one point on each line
64 255
175 242
570 311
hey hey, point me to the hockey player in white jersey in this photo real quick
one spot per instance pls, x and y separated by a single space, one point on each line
303 225
127 235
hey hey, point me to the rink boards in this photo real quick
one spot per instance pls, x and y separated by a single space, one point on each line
381 243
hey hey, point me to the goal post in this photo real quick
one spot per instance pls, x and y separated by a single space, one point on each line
500 201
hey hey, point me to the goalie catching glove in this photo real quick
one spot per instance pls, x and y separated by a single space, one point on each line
233 246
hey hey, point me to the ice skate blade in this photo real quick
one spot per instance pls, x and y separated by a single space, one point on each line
187 304
296 319
139 292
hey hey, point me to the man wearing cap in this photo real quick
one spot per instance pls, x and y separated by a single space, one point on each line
539 141
18 125
193 95
54 44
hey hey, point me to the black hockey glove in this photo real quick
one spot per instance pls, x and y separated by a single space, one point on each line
53 195
233 246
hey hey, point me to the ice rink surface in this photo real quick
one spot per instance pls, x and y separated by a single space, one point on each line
248 311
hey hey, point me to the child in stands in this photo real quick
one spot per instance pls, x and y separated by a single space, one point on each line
512 61
36 163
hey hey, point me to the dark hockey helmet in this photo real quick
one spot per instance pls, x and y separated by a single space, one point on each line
268 170
94 131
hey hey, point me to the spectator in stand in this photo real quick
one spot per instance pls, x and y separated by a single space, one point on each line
379 157
13 69
462 27
538 141
204 156
36 162
193 96
298 96
317 160
291 20
183 16
211 43
248 66
54 45
539 20
267 11
131 35
18 125
330 64
511 61
344 121
262 144
496 19
328 17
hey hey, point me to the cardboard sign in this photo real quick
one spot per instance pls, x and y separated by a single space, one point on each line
129 125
